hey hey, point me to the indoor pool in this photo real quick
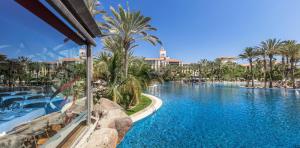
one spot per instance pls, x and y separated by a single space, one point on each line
205 115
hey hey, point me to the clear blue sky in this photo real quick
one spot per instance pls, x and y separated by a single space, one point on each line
195 29
190 29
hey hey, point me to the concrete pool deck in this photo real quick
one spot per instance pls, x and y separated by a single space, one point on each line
153 107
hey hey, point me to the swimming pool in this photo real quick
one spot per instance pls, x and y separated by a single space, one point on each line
219 116
20 107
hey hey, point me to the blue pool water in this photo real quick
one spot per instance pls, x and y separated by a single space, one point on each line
219 116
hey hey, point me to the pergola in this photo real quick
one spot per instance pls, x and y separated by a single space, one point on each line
85 29
76 14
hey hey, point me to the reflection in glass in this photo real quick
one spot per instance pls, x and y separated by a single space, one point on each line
41 72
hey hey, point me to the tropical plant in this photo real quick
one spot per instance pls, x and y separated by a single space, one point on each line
23 68
92 6
249 53
261 51
167 74
283 52
107 67
131 91
2 66
143 72
128 27
271 47
218 70
292 51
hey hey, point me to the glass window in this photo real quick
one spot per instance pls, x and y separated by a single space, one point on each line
37 63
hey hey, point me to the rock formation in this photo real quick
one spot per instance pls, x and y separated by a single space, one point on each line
110 130
112 126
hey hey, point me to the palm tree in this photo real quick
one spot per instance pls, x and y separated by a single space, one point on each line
35 67
211 76
11 71
131 91
92 6
271 47
285 59
129 27
143 72
23 71
218 69
125 91
206 65
262 52
249 53
107 67
3 64
292 51
258 67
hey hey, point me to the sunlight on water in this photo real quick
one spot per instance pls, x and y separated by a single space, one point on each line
219 116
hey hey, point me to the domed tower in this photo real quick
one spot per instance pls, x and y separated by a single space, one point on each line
162 53
82 53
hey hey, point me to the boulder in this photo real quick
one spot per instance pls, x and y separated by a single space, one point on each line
110 116
109 111
113 118
103 138
97 111
106 104
122 125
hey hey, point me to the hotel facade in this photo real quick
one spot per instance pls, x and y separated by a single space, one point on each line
162 61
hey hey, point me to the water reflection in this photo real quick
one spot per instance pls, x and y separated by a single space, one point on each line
23 34
219 116
40 70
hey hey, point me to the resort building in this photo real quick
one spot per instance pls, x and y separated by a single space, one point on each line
70 60
162 61
82 53
245 65
228 59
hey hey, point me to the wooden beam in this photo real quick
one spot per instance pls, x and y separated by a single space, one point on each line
83 15
38 9
63 10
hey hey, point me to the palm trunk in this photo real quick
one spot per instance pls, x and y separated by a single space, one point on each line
247 77
283 68
287 68
219 74
251 71
126 63
199 72
271 71
293 72
212 73
265 72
